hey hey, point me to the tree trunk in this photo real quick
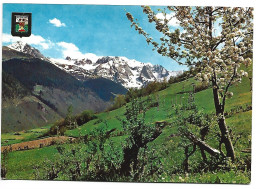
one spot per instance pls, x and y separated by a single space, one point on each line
226 138
130 155
222 126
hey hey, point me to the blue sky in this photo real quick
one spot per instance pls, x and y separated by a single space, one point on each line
80 29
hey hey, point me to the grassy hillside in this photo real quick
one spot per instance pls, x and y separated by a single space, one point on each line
168 97
167 147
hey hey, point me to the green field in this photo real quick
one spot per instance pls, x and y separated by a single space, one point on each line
167 147
23 136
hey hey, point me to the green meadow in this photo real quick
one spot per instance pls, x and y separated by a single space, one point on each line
167 147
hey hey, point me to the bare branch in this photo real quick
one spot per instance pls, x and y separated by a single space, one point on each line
227 87
202 144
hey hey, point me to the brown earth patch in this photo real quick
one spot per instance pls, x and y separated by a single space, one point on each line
37 143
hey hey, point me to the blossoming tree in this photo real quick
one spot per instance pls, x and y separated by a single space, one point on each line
212 40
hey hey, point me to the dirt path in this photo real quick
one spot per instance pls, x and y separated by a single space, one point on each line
37 143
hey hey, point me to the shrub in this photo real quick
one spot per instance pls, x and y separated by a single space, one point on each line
71 122
201 87
85 117
86 160
139 135
119 101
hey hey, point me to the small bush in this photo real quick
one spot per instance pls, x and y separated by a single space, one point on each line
71 122
119 101
201 87
85 117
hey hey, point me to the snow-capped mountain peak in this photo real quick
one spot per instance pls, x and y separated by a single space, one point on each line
18 46
128 72
26 48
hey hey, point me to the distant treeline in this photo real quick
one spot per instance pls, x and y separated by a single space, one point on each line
70 122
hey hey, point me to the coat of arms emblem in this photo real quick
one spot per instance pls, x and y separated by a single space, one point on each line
21 24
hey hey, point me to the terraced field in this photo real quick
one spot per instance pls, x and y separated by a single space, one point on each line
37 143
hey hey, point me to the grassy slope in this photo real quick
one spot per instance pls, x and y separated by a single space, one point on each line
21 163
204 100
23 136
240 123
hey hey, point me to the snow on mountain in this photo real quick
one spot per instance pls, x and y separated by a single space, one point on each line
92 57
25 48
129 73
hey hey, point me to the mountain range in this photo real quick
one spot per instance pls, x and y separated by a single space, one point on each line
128 73
37 90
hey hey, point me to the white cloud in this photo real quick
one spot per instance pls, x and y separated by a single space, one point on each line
71 50
91 57
67 49
32 40
7 38
173 21
56 22
68 46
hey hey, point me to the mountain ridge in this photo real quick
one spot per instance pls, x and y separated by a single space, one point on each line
129 73
27 49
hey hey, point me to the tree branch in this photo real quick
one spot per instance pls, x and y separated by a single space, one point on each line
203 145
225 93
